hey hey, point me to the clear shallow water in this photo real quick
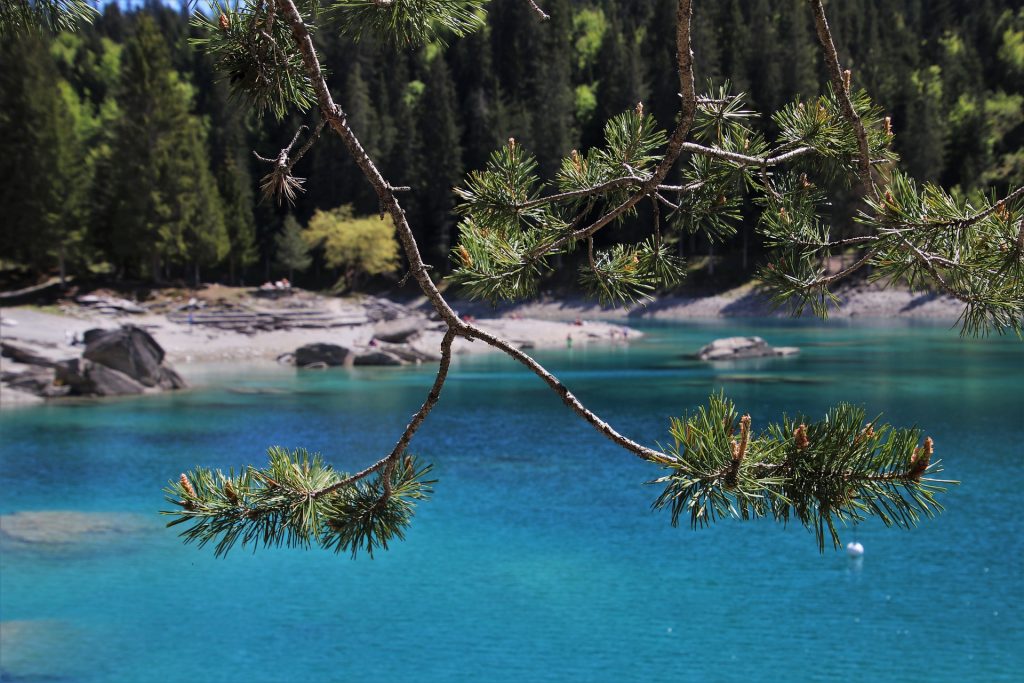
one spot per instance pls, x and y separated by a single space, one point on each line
538 558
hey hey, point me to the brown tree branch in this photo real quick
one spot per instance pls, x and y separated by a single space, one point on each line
840 83
337 120
684 63
541 14
414 424
746 159
569 399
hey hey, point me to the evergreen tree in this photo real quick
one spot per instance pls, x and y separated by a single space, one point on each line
553 98
237 197
40 159
441 151
158 145
292 247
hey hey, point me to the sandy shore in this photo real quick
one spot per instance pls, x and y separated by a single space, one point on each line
546 323
49 333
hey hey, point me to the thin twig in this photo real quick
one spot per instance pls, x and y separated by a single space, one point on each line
414 424
584 192
337 120
839 84
846 272
541 14
657 222
745 158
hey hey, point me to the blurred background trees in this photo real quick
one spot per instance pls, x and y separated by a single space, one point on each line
122 155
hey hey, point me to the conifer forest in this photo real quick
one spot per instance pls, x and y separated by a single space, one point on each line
125 156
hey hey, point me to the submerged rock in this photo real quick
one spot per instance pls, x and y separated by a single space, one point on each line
53 527
735 348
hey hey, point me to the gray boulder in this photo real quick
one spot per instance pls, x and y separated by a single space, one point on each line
133 352
86 378
328 354
398 331
409 353
35 380
736 348
373 357
23 355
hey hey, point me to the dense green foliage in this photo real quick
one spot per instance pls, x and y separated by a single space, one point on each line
359 246
296 501
122 151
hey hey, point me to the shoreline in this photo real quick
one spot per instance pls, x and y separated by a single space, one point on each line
863 301
353 323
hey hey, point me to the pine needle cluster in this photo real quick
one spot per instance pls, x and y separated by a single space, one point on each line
408 22
510 228
254 50
840 469
298 501
18 17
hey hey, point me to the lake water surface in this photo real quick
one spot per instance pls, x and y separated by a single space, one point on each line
538 558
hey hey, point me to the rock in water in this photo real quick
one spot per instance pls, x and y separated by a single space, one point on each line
735 348
328 354
132 351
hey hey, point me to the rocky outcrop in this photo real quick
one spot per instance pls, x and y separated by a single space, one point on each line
323 355
133 352
736 348
115 362
410 353
20 354
86 378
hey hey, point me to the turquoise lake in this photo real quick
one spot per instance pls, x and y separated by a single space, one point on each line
538 558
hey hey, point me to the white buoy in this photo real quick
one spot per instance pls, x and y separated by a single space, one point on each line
854 549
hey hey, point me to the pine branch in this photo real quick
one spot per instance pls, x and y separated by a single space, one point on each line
408 22
541 14
836 470
21 17
841 86
278 505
